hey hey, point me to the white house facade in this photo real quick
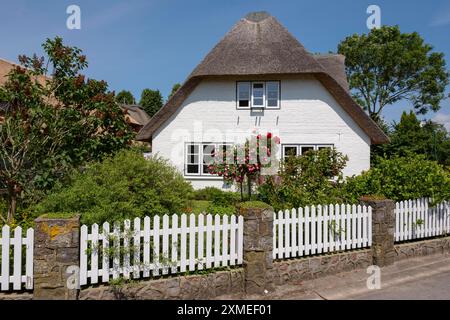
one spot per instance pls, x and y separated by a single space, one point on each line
301 98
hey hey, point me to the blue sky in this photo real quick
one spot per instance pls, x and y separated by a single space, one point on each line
138 44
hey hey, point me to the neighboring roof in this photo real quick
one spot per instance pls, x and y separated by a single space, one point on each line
135 114
259 45
7 66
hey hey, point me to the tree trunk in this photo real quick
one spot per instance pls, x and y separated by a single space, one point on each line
249 182
12 206
242 191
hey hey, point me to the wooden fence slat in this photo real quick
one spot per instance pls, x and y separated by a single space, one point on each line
294 223
94 254
17 255
29 259
233 233
166 231
301 241
126 249
136 248
175 243
209 231
183 247
201 232
116 253
105 253
147 248
287 233
217 241
83 254
224 241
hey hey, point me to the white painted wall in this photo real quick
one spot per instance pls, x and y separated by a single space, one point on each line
308 115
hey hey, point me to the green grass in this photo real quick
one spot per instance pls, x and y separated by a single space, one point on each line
199 206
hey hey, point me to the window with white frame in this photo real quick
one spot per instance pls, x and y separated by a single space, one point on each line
199 156
258 94
300 149
273 94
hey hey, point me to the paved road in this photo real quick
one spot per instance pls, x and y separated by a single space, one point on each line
420 278
434 287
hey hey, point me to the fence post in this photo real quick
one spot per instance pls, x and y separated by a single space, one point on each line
383 229
56 247
258 246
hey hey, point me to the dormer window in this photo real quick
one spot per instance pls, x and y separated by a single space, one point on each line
258 94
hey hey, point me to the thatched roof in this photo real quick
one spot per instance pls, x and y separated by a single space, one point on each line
259 45
135 114
334 65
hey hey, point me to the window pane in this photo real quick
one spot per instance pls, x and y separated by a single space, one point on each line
243 94
243 103
258 93
324 147
193 148
272 95
258 102
272 86
290 151
192 168
272 103
258 86
306 149
193 158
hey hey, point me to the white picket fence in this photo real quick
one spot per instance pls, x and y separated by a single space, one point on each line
416 219
322 229
16 269
151 249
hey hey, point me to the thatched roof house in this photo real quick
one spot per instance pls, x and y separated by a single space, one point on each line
259 45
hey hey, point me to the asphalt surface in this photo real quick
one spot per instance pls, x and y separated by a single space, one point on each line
424 278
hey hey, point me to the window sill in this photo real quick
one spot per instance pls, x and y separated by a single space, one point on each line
203 177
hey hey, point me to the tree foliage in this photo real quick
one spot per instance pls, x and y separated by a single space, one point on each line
125 97
121 187
151 101
386 66
175 88
411 135
50 126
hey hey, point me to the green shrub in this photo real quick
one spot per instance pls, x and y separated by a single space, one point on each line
305 180
217 196
402 178
122 187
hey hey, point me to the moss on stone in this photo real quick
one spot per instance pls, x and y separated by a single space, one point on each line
372 197
253 204
59 215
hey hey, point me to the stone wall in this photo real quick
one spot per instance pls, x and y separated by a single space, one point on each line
422 248
293 270
56 247
383 228
193 287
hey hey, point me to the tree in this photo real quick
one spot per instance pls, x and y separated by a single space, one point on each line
411 135
175 88
125 97
151 101
52 126
386 66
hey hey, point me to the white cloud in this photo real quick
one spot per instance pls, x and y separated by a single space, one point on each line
443 118
442 18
